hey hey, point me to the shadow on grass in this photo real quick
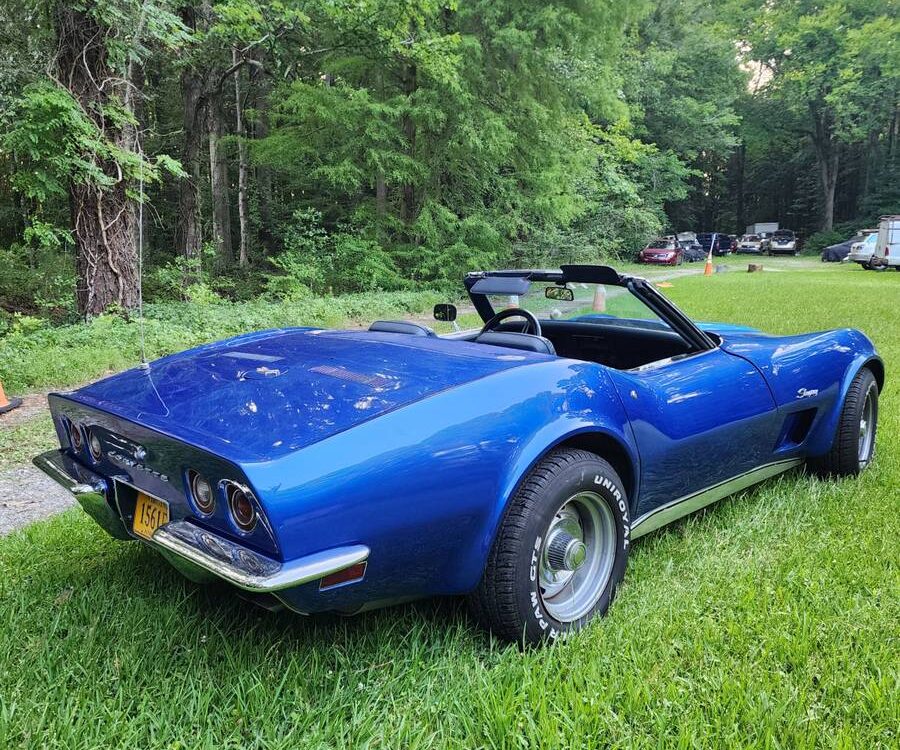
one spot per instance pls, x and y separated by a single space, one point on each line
426 624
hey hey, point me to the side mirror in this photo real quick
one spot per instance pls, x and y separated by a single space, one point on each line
562 293
445 312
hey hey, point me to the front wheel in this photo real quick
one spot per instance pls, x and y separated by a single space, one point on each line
854 442
560 551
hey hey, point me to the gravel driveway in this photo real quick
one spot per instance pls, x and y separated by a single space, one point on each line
28 495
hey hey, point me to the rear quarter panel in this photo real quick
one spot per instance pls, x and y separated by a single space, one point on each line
426 486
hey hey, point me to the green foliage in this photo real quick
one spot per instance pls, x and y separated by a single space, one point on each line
34 354
314 260
395 142
53 140
38 276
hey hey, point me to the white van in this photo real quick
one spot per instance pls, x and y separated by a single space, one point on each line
887 248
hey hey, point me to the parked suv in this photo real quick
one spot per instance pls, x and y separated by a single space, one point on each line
720 243
784 242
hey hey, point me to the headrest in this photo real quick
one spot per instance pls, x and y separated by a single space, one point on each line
401 326
524 341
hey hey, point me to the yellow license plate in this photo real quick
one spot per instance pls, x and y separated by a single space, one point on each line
149 515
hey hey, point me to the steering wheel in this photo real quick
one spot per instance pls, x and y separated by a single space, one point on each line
532 325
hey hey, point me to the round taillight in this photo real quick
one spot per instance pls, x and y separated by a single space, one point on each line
75 436
201 492
94 445
240 503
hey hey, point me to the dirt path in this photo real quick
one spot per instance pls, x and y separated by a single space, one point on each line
33 405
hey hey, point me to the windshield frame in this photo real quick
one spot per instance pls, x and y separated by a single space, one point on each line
697 339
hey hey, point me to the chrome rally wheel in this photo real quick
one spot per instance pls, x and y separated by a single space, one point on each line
577 556
868 422
559 553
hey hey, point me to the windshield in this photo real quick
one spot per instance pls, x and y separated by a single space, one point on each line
660 245
870 241
593 303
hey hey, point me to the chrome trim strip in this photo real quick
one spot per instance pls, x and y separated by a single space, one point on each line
675 509
244 568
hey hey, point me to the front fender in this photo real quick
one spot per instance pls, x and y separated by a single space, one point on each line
822 434
810 371
603 419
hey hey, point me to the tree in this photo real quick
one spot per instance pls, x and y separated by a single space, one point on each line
811 49
77 133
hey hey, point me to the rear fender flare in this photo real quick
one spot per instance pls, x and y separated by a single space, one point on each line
540 445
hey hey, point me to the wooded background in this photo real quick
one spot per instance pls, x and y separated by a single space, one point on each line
313 148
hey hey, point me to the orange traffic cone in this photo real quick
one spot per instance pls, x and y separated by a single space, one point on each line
708 271
7 404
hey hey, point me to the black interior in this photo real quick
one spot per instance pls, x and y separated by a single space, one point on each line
616 344
513 340
620 344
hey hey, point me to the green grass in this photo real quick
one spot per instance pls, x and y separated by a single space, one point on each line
18 444
772 620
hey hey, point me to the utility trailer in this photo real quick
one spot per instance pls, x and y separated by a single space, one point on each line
762 227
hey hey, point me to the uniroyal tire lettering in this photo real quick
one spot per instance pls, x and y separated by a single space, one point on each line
607 484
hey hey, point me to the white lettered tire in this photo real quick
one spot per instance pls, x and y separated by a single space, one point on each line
560 552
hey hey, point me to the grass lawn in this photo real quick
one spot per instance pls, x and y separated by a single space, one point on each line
772 620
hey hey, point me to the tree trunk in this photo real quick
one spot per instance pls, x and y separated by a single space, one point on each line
829 171
408 191
105 261
243 256
103 218
260 125
740 192
380 194
194 95
826 148
189 234
218 179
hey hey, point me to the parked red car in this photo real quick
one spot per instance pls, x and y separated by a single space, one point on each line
666 252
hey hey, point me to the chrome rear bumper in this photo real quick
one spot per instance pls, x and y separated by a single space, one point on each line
245 568
90 490
197 553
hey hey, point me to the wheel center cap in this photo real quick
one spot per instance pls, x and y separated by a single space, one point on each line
576 553
565 552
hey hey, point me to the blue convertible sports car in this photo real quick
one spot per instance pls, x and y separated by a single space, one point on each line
345 470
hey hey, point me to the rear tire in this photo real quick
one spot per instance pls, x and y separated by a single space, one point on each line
854 441
560 551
